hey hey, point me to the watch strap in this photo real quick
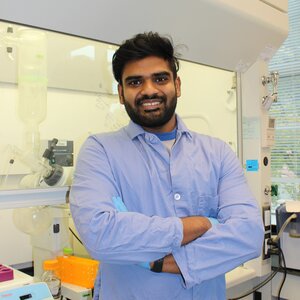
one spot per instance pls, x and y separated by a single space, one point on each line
157 265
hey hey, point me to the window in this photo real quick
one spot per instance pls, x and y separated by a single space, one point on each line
285 155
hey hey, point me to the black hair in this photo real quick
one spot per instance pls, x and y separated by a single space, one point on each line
141 46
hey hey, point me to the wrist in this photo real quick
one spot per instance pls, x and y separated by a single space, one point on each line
157 265
194 227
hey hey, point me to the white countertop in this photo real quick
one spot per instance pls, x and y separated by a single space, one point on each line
239 275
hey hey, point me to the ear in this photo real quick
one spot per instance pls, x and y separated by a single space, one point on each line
178 86
120 92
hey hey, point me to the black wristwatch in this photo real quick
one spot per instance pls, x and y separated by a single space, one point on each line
158 265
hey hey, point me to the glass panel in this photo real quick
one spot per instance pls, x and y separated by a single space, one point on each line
58 86
208 103
285 156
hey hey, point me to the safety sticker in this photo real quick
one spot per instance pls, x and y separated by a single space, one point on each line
252 165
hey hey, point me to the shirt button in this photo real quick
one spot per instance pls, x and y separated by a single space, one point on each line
177 196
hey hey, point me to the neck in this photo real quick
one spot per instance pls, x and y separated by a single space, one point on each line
168 127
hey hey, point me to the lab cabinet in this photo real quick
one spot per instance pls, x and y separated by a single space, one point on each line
228 34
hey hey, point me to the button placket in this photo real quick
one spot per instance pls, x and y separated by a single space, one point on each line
177 196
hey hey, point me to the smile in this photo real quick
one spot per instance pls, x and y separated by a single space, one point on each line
150 105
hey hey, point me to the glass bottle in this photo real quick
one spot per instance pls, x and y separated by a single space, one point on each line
51 278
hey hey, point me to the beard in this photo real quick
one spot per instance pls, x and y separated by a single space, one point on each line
152 119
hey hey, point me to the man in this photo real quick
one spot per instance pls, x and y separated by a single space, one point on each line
145 199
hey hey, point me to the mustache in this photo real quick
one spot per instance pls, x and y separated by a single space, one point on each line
150 97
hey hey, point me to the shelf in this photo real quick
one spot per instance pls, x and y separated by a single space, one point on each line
33 197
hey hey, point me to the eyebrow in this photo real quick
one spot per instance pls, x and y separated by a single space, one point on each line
162 73
137 77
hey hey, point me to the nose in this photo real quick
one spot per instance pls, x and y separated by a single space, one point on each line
149 88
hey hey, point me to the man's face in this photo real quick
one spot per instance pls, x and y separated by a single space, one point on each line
149 93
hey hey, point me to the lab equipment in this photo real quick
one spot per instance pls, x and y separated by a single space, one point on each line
288 223
32 220
271 97
6 273
54 174
78 270
32 85
76 274
45 173
75 292
19 279
34 291
47 239
51 278
22 286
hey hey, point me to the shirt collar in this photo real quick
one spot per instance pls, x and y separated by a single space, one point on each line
134 129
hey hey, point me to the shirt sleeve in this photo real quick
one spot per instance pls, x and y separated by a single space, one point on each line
109 235
236 239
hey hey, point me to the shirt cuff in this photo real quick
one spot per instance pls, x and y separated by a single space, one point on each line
181 260
179 232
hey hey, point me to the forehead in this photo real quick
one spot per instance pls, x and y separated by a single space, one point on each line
146 67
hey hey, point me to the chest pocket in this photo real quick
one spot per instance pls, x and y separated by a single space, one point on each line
207 206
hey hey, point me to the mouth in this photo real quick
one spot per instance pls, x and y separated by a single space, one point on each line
150 105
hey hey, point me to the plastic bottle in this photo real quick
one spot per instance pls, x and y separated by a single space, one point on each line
51 279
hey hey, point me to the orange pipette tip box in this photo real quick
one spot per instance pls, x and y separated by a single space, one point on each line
77 270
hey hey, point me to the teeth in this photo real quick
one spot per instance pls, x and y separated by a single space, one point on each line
150 103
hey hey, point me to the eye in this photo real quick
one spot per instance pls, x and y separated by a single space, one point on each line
134 82
163 78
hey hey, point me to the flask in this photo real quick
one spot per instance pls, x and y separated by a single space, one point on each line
32 85
51 279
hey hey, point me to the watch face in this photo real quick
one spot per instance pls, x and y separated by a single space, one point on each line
158 265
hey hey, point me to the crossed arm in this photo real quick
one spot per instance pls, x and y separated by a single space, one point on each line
193 227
